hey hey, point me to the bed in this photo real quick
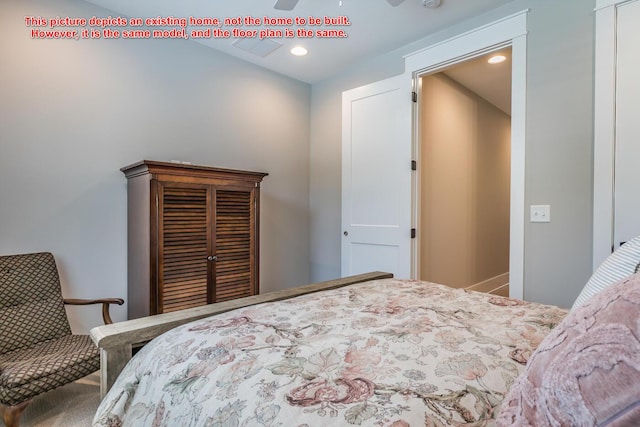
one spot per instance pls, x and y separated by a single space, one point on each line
367 350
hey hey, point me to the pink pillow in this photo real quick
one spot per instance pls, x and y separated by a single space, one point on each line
586 372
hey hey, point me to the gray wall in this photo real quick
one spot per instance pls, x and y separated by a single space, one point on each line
559 145
74 112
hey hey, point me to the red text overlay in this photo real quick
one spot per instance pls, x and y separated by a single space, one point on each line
192 27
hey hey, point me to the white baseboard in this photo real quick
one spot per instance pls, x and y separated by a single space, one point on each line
491 284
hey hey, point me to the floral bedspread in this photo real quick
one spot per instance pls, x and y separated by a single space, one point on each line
381 353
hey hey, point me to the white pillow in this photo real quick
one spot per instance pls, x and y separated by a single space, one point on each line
620 264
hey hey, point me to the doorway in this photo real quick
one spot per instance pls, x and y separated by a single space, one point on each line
464 158
379 143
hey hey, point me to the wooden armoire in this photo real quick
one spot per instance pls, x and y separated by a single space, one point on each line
193 235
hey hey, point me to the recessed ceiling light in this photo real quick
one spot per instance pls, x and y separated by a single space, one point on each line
299 51
496 59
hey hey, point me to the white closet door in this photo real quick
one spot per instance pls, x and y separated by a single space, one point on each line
627 126
376 178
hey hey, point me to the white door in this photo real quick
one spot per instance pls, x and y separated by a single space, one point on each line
616 199
627 129
376 178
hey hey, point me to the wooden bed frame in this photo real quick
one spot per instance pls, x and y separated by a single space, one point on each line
116 341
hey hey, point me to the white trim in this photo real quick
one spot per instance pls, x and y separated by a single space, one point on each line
416 88
496 290
469 42
511 29
602 4
518 161
604 133
604 129
493 283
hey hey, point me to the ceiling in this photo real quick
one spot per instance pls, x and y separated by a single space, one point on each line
490 81
375 28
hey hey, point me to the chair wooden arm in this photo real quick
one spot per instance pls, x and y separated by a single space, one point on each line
106 317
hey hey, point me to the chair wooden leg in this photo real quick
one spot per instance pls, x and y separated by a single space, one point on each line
11 414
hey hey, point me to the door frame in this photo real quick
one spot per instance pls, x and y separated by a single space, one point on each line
510 30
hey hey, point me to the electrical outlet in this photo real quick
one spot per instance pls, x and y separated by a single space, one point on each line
540 213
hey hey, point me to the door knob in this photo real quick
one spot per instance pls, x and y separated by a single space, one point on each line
212 258
346 233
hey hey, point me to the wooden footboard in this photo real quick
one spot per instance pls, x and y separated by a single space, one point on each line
116 340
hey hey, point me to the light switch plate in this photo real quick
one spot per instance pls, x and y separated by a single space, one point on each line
540 213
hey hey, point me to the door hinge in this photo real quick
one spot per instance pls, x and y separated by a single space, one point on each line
414 96
413 233
414 165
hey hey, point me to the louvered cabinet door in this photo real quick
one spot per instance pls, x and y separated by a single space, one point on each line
235 274
193 236
183 246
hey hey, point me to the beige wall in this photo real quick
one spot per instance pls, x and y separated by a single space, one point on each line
464 169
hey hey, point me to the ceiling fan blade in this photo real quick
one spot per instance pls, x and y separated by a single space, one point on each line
285 4
395 3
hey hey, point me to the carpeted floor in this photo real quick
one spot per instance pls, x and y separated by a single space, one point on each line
70 406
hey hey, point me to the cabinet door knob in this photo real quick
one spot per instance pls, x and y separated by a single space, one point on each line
212 258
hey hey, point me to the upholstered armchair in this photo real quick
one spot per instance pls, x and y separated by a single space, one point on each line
38 352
